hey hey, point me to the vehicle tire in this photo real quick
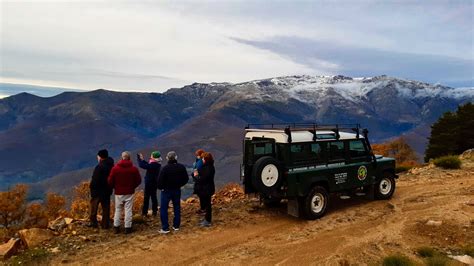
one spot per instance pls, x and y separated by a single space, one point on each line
385 187
271 202
315 203
267 175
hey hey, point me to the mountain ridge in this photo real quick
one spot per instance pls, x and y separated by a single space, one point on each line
64 132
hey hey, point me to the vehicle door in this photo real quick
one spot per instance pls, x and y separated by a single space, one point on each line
361 165
337 166
253 150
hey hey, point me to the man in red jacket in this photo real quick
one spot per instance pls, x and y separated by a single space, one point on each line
124 178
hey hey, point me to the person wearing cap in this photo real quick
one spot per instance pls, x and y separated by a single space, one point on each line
124 178
205 187
197 165
152 168
100 191
172 177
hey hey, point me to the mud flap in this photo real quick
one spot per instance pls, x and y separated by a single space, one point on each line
293 207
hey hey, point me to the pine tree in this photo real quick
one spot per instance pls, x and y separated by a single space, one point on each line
465 134
453 133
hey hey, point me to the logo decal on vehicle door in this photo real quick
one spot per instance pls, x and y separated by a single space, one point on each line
362 172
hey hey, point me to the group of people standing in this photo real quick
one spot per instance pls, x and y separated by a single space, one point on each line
123 178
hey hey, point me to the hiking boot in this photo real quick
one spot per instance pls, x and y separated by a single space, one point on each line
128 230
117 229
163 231
175 228
205 224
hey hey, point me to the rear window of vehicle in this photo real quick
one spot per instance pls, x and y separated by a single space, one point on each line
262 148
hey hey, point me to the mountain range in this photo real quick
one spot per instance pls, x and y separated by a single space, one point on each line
54 140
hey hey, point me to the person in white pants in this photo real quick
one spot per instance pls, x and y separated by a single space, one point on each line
124 178
122 201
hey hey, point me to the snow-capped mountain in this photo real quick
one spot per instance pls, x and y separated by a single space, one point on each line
314 89
68 128
323 97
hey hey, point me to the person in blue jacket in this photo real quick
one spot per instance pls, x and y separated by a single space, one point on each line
152 167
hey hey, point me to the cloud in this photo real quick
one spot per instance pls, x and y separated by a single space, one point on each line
152 46
87 45
356 61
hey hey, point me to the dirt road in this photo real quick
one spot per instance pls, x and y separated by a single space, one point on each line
355 231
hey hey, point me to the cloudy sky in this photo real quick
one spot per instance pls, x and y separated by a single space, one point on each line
152 45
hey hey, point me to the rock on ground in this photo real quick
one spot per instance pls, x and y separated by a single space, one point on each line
9 249
35 236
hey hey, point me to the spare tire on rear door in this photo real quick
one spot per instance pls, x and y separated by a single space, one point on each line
267 175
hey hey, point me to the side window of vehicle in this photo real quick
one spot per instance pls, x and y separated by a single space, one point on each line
298 152
262 148
336 151
357 149
282 152
317 151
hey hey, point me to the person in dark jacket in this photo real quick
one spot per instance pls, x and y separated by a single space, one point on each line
124 178
172 177
197 165
152 167
205 187
100 191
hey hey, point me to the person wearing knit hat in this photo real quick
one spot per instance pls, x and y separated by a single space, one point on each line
152 167
100 191
103 154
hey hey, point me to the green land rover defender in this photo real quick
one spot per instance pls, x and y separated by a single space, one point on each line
304 163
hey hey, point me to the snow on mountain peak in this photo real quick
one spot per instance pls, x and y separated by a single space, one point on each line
312 89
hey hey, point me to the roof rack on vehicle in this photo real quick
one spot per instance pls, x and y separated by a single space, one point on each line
311 127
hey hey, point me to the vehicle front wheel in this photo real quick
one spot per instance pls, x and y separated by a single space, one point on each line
315 203
385 187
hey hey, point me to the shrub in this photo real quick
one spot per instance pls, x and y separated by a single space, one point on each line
468 250
54 205
397 260
13 206
399 149
138 202
36 216
437 261
426 252
81 201
448 162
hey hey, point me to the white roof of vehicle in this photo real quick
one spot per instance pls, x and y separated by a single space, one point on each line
296 136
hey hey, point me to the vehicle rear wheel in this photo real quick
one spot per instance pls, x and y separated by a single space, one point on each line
315 203
267 175
385 187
